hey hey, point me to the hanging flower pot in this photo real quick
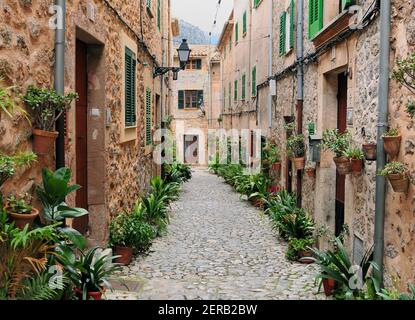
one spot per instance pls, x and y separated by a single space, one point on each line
310 172
392 145
23 219
44 141
399 182
299 163
125 253
370 151
275 170
357 165
343 164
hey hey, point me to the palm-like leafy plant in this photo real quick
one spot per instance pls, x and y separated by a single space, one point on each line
161 188
155 212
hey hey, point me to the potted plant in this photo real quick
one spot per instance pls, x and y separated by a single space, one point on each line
21 211
296 150
289 128
310 171
392 142
356 157
9 164
397 175
298 250
338 142
272 156
369 150
46 107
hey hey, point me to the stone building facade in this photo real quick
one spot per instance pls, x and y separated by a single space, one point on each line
118 164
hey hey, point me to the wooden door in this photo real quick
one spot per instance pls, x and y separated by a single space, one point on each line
342 126
81 224
191 146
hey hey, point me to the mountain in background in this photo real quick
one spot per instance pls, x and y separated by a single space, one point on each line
194 34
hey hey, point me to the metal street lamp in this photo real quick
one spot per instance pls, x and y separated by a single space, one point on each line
184 56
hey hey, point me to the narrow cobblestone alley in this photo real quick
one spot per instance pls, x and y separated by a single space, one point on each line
217 247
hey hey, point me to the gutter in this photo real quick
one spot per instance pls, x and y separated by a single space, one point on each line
59 82
383 94
270 53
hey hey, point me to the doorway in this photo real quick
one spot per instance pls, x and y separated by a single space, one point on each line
81 134
342 127
191 149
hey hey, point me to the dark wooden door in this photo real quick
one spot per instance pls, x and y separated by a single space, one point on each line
81 224
342 126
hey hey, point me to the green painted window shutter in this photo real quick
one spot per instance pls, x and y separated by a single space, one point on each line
130 96
283 19
292 20
244 27
315 17
347 3
256 3
199 64
243 86
235 91
253 91
200 97
148 116
148 3
236 33
159 14
224 98
181 99
230 95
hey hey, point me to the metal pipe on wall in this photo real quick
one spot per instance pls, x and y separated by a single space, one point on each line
270 53
59 81
383 95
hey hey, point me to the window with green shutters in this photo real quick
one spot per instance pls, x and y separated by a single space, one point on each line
235 91
253 82
159 14
148 116
181 99
236 33
315 17
230 95
257 3
346 4
244 27
283 35
130 96
148 3
292 20
243 87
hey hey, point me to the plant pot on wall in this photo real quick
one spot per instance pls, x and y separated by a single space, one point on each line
357 165
21 220
125 253
310 172
275 170
399 182
299 163
343 165
392 145
44 141
370 151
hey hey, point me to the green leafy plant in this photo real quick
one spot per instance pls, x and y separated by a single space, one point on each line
297 246
391 133
410 109
405 72
155 212
393 168
9 164
354 153
393 294
252 185
161 189
8 104
177 172
335 141
297 224
296 146
271 153
46 106
20 206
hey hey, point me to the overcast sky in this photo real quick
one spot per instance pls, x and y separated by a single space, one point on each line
201 13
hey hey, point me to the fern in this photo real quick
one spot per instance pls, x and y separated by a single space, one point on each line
39 288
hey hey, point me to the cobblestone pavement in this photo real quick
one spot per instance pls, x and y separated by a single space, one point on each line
217 247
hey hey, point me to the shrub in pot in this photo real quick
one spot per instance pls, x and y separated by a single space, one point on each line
271 155
9 164
397 175
296 150
356 157
338 143
46 107
21 211
392 142
298 250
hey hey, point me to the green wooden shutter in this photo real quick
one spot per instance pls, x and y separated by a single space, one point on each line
200 97
235 91
159 14
315 17
253 90
236 33
292 18
230 95
148 116
256 3
347 3
130 97
148 3
181 99
244 27
283 19
243 86
199 64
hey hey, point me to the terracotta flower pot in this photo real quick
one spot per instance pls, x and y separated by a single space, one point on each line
343 164
399 182
94 295
392 145
357 165
125 253
299 163
21 219
275 170
44 141
310 172
328 286
370 151
257 202
304 255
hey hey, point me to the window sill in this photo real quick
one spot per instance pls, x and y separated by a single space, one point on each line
148 149
128 134
333 29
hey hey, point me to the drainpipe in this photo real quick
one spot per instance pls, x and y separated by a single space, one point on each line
270 53
59 82
385 11
300 87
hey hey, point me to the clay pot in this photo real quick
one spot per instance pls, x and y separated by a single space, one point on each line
303 257
392 145
94 295
370 151
275 170
310 172
44 141
357 165
328 286
125 253
299 163
21 220
399 182
257 202
343 164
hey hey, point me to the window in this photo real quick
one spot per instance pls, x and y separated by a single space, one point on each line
190 99
286 36
148 116
230 95
243 87
149 4
282 36
130 88
235 91
194 64
253 91
345 4
315 17
257 3
158 14
244 27
236 33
